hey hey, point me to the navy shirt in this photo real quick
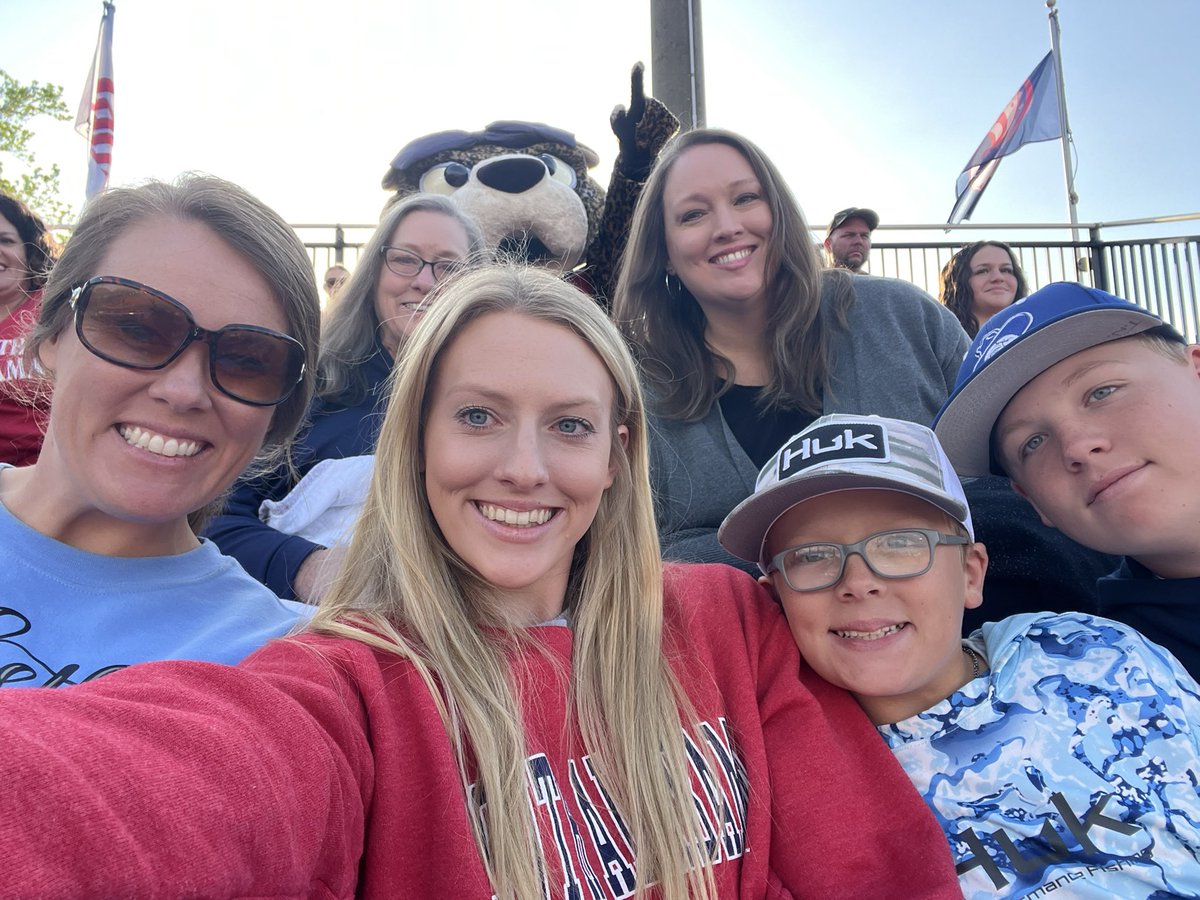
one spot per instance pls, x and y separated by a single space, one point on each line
1166 610
335 431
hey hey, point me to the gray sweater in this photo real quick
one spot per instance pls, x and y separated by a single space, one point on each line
898 357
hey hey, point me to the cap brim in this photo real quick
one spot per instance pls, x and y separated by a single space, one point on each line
744 531
965 424
867 215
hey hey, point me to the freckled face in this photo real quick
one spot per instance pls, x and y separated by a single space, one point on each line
516 455
400 299
718 225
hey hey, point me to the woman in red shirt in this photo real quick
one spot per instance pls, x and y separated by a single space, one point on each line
26 254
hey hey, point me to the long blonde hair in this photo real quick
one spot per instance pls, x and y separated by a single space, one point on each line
404 590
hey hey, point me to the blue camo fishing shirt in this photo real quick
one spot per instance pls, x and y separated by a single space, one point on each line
1071 765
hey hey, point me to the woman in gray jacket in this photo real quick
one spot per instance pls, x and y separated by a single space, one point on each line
743 339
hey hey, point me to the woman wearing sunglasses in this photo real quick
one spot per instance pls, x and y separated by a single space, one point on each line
420 240
178 329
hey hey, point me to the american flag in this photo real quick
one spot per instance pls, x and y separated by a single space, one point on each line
95 117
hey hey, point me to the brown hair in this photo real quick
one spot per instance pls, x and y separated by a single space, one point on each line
39 246
666 325
955 290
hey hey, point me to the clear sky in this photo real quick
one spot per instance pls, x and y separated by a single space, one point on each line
874 103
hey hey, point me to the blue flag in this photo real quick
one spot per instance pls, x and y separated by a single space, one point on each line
1030 116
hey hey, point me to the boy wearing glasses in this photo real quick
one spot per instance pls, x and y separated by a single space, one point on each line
1058 752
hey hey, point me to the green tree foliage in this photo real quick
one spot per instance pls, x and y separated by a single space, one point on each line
20 103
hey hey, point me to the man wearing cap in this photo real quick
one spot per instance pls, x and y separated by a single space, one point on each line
1091 406
848 238
1055 749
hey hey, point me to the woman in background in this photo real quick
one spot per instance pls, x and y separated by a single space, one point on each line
26 254
177 328
980 280
419 241
744 338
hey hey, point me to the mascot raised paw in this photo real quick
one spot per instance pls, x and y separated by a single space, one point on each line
528 187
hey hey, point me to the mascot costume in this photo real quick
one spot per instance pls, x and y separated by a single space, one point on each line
527 185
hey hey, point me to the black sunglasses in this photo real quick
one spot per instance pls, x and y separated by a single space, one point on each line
135 326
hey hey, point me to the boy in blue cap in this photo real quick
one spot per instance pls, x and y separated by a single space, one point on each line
1091 406
1057 751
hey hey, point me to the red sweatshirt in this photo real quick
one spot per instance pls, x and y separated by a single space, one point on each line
320 767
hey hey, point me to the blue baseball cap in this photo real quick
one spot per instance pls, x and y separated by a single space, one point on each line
1018 344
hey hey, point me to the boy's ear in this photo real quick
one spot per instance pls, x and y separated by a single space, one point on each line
975 563
1193 352
1041 515
769 583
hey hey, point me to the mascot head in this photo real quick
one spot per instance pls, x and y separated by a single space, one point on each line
526 184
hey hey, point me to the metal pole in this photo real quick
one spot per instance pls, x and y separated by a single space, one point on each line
1072 197
1096 250
339 244
677 57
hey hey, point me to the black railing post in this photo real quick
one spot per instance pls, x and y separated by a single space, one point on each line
1096 252
339 243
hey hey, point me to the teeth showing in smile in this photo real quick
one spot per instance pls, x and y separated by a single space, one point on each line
523 519
156 443
869 635
732 257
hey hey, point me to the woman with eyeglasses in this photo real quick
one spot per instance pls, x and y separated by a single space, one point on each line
420 241
26 254
179 329
505 694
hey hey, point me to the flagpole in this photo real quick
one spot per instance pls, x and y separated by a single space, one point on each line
1072 197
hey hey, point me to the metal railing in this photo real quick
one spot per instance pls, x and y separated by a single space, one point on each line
1159 273
329 244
